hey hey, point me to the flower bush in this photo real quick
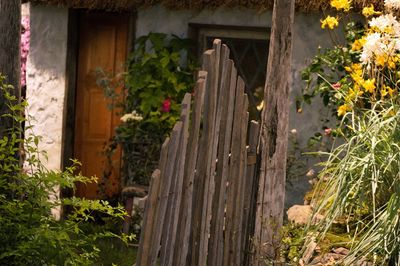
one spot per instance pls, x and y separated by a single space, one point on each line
29 233
159 73
359 81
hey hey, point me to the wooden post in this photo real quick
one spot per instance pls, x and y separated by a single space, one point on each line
274 133
10 28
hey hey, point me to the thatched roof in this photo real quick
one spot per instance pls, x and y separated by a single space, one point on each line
121 5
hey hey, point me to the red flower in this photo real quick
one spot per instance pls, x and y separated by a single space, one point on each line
166 105
328 131
336 86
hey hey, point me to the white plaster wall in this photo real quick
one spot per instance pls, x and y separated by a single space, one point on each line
25 10
46 78
306 38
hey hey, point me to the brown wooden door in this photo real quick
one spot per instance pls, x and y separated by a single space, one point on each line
102 44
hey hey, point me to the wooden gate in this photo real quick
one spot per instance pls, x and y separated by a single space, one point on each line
200 208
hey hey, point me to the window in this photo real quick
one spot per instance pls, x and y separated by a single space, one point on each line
249 50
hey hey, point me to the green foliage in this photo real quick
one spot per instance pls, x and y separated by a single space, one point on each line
29 233
292 242
362 184
155 73
328 68
159 73
359 186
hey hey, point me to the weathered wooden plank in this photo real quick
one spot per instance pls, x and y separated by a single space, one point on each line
184 226
166 180
225 114
146 235
212 143
241 176
274 128
171 248
201 165
154 224
232 189
250 191
167 233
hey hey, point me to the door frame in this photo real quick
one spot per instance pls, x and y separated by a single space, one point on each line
68 136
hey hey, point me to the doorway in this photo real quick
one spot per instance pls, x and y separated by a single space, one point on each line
103 39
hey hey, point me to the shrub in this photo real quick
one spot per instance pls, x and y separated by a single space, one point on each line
159 73
29 233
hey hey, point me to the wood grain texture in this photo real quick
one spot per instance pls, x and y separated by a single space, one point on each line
177 210
233 178
184 226
155 240
168 222
274 127
239 205
225 114
164 196
212 143
251 190
10 66
146 235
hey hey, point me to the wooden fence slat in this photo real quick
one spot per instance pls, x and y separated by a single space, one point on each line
167 233
212 141
201 168
241 175
165 190
153 225
177 200
148 220
250 191
184 226
224 114
232 189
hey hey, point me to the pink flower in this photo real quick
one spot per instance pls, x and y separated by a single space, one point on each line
25 38
328 131
336 86
166 105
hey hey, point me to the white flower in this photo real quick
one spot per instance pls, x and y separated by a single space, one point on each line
134 116
384 22
392 4
310 173
372 46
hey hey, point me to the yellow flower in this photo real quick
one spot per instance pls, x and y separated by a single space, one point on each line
356 66
392 61
370 11
380 60
341 4
389 90
343 109
369 85
357 44
384 91
357 77
329 21
353 93
391 64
